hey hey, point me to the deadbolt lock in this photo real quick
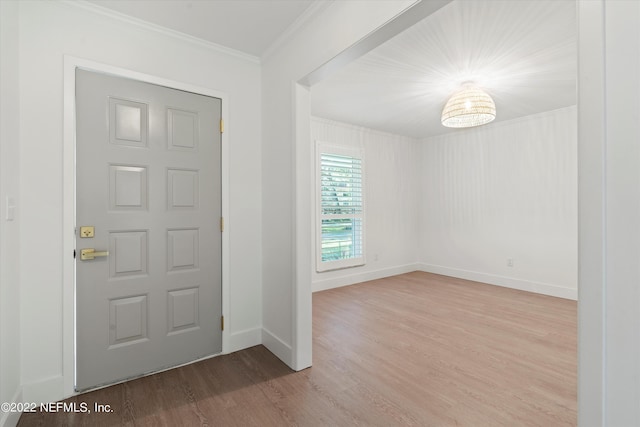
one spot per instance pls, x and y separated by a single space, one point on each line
87 231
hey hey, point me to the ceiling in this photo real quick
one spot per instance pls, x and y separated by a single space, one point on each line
250 26
523 53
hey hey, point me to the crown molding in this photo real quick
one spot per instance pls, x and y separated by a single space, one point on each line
83 4
310 12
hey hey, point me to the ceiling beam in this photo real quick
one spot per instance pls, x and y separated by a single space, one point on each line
404 20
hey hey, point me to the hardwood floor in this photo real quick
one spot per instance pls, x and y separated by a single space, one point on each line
415 349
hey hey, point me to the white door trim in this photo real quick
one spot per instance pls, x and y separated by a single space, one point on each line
68 199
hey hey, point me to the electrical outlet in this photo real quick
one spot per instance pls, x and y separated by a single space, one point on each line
509 262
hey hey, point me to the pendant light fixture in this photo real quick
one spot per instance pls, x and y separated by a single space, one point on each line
468 107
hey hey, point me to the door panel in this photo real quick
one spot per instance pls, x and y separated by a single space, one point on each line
148 180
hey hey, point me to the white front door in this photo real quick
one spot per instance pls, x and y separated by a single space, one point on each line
148 202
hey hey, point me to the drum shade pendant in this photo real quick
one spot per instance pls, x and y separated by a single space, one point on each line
469 107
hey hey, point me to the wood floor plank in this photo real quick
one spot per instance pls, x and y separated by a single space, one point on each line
416 349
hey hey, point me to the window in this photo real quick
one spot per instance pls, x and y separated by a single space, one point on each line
340 201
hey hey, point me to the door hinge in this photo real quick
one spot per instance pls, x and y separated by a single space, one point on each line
222 323
221 224
74 254
221 125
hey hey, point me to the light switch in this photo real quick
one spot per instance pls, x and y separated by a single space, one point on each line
10 211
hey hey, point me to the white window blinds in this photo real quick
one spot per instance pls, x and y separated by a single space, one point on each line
341 208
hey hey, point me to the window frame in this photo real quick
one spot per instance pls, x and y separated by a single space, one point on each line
348 151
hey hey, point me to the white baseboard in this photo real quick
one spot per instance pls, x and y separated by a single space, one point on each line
10 419
350 279
275 345
507 282
45 391
244 339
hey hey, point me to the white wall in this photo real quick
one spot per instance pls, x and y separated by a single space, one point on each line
504 191
622 165
49 30
286 164
9 230
609 194
391 202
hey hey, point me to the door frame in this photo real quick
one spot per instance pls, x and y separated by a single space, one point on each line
68 198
